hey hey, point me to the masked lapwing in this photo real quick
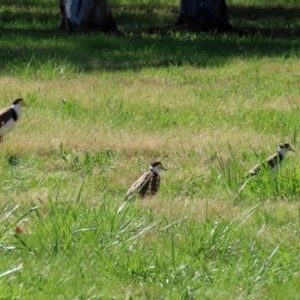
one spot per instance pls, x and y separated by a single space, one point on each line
148 183
273 161
10 116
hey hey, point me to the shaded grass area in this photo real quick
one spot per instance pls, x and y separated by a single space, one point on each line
271 20
30 39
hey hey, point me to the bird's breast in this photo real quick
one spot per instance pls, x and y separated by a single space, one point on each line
7 127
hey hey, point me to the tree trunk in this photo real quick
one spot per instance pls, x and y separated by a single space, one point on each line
86 15
204 14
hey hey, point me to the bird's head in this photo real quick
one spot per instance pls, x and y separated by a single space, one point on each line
20 102
157 167
284 148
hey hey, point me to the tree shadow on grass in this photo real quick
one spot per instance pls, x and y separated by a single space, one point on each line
271 21
137 48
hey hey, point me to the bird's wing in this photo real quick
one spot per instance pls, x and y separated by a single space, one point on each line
255 169
138 184
5 115
272 160
269 161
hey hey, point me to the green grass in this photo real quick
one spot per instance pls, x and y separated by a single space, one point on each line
102 107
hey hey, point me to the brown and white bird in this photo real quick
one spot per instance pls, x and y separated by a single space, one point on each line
148 183
274 160
10 116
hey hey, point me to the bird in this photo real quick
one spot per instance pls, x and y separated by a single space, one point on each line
10 116
274 160
148 183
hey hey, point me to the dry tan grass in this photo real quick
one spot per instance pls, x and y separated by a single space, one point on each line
199 209
41 131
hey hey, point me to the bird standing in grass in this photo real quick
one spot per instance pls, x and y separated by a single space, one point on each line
10 116
148 183
274 160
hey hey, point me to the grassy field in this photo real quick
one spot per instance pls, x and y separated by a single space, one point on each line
100 108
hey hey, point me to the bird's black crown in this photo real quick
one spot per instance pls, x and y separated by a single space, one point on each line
17 101
156 163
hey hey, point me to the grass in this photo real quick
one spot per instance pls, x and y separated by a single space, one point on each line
102 107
